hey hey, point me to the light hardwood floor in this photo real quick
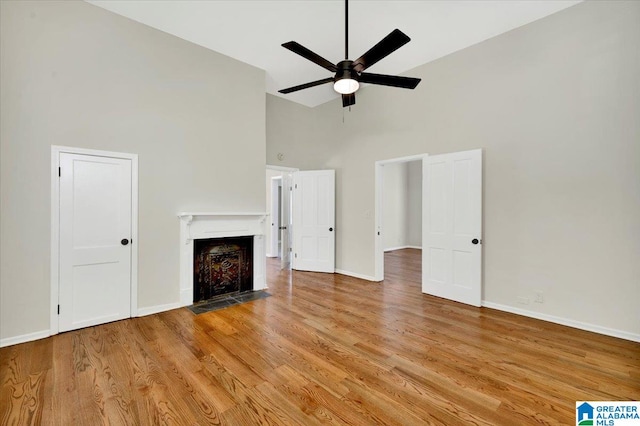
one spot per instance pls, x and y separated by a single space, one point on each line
322 349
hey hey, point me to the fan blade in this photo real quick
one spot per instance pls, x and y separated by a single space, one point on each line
389 80
306 85
348 100
395 40
307 54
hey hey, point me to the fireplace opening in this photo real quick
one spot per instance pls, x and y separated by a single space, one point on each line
222 266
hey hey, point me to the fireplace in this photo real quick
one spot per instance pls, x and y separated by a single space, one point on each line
222 266
197 230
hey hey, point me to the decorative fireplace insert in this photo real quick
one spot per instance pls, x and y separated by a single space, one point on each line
222 266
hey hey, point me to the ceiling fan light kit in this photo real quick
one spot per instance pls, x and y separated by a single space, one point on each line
346 79
349 74
346 86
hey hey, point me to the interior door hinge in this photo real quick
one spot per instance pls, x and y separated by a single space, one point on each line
296 255
58 309
296 186
59 171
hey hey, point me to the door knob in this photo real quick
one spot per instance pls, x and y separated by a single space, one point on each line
475 241
330 229
124 241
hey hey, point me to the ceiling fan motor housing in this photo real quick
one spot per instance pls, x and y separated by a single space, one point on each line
345 70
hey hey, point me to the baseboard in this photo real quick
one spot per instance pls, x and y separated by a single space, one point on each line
150 310
356 275
10 341
565 321
402 247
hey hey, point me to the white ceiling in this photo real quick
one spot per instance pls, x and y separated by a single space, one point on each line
252 31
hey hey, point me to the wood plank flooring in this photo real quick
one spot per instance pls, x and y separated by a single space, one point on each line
324 349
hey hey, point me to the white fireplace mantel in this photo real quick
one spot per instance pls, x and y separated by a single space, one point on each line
201 225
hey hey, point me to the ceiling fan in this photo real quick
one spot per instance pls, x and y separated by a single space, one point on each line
349 74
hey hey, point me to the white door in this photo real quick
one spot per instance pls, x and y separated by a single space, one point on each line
285 220
314 221
95 246
452 226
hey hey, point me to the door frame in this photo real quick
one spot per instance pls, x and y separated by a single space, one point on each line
274 249
285 217
56 150
378 232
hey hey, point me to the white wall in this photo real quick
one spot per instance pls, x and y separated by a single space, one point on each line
395 203
414 204
555 106
74 74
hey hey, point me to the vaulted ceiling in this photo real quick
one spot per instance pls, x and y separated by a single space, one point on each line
252 31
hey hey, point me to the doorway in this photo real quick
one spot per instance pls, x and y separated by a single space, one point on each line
314 210
451 224
278 196
94 202
275 242
398 207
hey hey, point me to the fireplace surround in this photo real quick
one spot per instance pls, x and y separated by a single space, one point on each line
198 226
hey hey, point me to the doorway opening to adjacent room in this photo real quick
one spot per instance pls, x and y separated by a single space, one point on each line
398 208
451 222
278 229
301 218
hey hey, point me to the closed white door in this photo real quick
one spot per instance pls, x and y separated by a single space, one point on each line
285 216
95 240
314 221
452 226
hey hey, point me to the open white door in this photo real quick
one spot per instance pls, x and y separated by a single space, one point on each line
314 220
95 240
285 220
452 226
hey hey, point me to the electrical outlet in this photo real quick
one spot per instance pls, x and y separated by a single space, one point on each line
523 300
539 297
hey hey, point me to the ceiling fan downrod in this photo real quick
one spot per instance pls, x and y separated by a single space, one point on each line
346 29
